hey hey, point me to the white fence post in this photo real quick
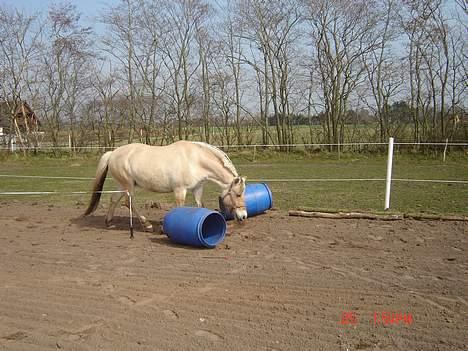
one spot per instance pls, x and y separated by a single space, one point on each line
389 174
13 143
445 148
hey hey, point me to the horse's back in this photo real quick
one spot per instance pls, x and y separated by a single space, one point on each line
157 168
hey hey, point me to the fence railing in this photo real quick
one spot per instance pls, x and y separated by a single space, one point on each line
388 180
45 147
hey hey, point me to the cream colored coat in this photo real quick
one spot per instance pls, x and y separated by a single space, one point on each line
179 167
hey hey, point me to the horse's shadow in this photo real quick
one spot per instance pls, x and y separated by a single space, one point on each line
122 223
98 222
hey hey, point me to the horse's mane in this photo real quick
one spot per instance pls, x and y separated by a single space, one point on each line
226 161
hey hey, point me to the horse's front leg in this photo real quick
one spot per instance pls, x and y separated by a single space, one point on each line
197 194
180 194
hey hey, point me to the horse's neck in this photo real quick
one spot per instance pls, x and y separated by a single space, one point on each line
224 181
221 176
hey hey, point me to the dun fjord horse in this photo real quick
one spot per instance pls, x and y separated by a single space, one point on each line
180 167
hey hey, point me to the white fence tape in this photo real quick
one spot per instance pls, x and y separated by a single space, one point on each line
42 177
59 192
359 180
276 180
267 180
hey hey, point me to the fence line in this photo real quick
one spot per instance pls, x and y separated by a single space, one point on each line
66 147
268 180
388 179
361 179
42 177
60 192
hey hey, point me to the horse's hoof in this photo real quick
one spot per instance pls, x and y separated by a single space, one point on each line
149 228
159 230
108 223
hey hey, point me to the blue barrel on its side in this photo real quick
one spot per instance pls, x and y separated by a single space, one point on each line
258 199
195 226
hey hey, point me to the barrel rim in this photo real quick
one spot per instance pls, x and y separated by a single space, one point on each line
200 227
270 195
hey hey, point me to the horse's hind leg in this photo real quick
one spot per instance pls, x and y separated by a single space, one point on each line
115 199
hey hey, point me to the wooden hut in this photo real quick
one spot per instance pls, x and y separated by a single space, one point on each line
25 119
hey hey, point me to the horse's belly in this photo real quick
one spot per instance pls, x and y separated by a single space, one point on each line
164 179
154 183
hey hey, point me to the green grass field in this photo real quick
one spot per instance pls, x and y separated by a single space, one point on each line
350 195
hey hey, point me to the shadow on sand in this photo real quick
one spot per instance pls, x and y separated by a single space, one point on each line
98 222
122 223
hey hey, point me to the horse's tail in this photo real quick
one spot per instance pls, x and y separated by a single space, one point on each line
101 174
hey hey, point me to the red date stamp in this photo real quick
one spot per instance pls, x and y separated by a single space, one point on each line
392 318
349 318
380 318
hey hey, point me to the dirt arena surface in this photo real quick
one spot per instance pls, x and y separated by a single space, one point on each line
275 283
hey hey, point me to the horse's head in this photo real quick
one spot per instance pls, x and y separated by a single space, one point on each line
233 199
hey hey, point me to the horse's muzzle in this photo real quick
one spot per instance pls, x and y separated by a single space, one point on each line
240 215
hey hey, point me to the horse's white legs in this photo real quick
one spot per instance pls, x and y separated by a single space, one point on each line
144 222
180 194
115 199
197 194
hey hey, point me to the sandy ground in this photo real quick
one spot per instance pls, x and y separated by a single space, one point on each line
275 283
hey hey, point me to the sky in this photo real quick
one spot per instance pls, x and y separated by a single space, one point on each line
88 8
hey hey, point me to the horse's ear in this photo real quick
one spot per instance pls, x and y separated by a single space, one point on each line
244 179
237 180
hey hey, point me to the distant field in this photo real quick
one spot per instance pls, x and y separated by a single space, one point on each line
368 132
350 195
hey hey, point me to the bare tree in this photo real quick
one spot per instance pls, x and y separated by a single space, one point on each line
119 44
231 29
20 36
435 63
205 45
170 68
182 18
342 33
271 28
383 69
104 107
148 65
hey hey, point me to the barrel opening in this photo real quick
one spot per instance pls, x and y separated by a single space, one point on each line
213 229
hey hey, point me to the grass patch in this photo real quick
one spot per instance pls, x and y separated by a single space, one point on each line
429 198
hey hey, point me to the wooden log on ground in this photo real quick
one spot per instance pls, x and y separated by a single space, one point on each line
422 217
345 215
374 216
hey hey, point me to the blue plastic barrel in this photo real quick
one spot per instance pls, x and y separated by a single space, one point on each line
195 226
258 199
